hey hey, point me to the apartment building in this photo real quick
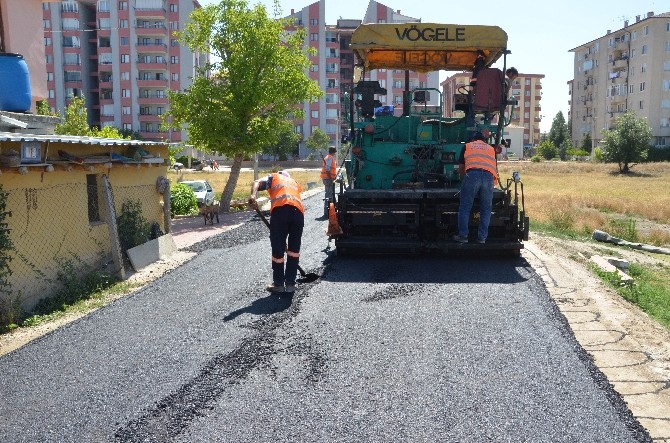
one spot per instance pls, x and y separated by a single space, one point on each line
526 90
626 69
333 69
122 57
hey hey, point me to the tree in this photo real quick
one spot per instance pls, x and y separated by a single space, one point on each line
628 142
587 143
260 78
286 142
75 121
318 140
558 135
547 150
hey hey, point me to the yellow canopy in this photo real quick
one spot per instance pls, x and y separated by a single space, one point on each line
425 47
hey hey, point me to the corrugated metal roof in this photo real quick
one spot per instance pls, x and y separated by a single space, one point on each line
15 137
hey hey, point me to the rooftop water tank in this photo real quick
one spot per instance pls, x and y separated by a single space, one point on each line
15 93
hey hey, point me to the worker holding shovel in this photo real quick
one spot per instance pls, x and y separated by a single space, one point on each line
288 219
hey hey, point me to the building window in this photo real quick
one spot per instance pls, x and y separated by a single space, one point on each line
125 58
123 23
127 126
48 58
665 103
125 93
315 114
123 6
174 25
642 86
644 49
125 110
641 104
643 68
314 36
666 85
125 75
665 122
52 93
174 42
173 7
46 24
50 76
314 68
313 21
175 77
47 41
174 59
92 194
645 30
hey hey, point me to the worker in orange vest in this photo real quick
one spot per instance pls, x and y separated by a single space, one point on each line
328 174
478 171
287 219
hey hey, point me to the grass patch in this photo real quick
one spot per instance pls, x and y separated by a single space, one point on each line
651 290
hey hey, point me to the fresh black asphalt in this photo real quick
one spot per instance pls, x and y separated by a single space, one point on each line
380 349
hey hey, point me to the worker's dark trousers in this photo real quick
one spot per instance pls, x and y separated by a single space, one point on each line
285 221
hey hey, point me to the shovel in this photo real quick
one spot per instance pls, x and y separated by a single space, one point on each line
306 278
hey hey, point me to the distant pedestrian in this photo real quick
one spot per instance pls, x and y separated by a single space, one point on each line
215 165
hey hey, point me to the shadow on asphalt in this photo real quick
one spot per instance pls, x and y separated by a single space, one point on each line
271 304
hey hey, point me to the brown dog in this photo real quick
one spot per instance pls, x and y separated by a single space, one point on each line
209 212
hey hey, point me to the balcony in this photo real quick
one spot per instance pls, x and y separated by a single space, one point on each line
152 99
152 83
160 48
151 65
150 118
151 29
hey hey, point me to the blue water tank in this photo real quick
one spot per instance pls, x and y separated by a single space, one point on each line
15 93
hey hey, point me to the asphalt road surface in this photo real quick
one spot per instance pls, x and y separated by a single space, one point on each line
380 349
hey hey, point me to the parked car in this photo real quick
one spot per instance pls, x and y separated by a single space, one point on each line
203 191
177 166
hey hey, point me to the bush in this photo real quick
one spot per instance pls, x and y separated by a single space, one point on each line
536 158
134 229
182 200
658 154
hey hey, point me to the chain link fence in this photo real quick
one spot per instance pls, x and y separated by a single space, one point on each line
70 228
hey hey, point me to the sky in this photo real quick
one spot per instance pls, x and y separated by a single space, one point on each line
540 33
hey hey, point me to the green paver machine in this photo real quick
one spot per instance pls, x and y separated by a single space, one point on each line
400 190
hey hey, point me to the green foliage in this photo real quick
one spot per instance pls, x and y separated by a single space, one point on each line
260 78
76 120
11 313
547 150
558 134
598 155
133 228
625 229
286 144
650 291
107 132
318 140
658 154
587 143
537 158
129 134
42 108
6 244
628 143
182 200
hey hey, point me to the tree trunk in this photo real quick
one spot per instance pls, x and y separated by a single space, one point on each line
228 190
625 168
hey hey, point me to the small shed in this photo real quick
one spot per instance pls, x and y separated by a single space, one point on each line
63 198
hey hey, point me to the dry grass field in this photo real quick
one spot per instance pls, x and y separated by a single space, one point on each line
567 196
584 196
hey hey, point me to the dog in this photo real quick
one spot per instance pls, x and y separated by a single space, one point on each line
209 212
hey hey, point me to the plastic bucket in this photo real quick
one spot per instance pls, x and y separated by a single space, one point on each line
15 93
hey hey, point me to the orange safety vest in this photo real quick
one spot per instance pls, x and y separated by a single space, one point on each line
285 191
480 155
333 168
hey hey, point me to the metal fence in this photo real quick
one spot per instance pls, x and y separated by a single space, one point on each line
71 228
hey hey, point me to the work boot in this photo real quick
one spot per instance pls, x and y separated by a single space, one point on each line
459 239
289 288
273 287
